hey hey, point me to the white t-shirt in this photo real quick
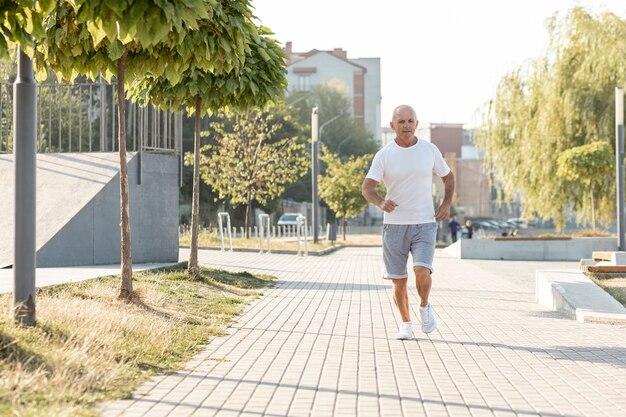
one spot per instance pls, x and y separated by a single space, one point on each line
408 175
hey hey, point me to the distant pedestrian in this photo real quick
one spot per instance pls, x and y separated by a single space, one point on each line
454 228
406 166
469 228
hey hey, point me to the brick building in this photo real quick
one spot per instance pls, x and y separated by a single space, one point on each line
474 197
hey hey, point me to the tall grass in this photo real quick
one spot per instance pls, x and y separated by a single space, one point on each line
89 346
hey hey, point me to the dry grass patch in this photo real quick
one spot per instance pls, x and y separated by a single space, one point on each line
88 346
213 240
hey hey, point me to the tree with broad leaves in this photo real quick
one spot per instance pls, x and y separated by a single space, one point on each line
259 79
132 39
589 168
249 162
340 187
20 23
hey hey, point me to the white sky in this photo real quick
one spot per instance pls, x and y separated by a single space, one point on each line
443 57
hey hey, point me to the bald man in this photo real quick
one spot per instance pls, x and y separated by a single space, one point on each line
406 166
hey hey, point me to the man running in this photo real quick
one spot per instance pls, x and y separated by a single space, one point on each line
406 166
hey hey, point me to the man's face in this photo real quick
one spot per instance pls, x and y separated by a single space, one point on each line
404 123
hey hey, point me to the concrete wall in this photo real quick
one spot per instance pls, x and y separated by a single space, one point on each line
92 236
531 250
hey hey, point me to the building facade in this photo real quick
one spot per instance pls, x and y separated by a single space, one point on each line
474 195
360 77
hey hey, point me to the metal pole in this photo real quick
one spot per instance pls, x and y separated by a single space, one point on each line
113 113
50 119
103 104
70 112
60 96
24 143
80 118
89 113
38 128
619 155
314 171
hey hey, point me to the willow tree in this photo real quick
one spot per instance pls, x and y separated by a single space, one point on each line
340 187
120 38
560 101
589 169
258 79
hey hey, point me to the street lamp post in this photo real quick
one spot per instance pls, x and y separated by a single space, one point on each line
316 136
25 149
619 155
315 206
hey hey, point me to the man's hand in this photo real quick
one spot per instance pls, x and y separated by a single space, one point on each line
443 212
369 192
388 205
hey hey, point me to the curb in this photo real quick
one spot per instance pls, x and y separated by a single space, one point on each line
571 293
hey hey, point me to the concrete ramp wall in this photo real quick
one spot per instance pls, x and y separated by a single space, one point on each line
530 250
78 209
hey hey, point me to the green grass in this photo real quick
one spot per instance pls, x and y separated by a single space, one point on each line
88 346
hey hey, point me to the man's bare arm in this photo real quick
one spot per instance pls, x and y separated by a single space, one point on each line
368 189
443 212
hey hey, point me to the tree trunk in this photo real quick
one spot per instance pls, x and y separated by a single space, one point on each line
593 210
343 219
192 267
126 290
247 224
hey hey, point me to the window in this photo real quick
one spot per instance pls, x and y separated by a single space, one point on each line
304 82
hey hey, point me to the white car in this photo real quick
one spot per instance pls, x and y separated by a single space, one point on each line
288 219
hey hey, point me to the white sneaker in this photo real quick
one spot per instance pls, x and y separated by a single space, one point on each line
429 324
405 331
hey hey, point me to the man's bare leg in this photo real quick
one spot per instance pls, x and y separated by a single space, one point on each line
423 281
401 297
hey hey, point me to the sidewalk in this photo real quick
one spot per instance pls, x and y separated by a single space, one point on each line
320 344
51 276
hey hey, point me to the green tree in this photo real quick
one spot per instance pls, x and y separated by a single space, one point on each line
124 38
340 187
258 79
19 21
249 162
589 168
561 101
344 136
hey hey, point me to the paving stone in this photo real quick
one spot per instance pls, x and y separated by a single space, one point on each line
320 343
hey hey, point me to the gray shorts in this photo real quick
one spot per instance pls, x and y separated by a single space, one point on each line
400 239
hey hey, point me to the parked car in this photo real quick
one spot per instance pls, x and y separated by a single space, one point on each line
519 223
288 219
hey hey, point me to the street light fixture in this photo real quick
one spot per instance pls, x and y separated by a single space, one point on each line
316 136
619 155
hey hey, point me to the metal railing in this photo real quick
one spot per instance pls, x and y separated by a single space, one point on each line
83 117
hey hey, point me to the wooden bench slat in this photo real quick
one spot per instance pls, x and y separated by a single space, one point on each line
605 268
601 255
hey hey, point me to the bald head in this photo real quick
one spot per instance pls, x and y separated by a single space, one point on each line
402 108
